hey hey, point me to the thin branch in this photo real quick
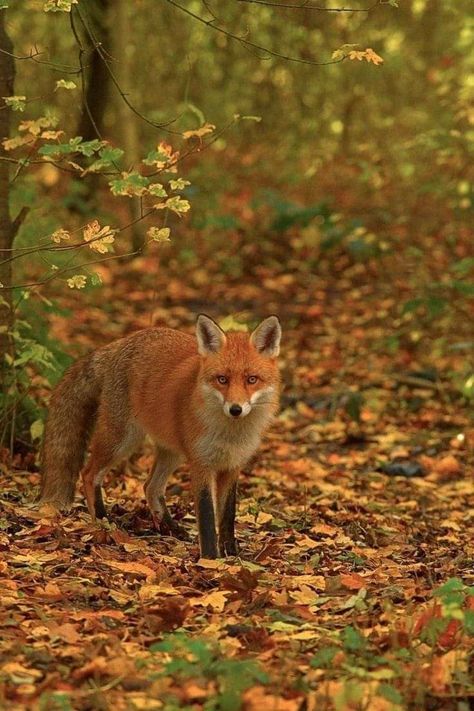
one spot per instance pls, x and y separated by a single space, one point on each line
251 45
64 68
307 6
18 221
98 47
74 267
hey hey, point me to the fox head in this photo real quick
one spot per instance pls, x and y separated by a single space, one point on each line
239 371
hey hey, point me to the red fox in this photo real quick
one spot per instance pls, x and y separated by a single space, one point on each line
206 399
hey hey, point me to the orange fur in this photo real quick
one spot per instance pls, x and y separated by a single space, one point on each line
167 385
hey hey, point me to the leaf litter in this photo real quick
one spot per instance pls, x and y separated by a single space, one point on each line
354 588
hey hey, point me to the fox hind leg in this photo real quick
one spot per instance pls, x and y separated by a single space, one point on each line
166 461
92 477
111 442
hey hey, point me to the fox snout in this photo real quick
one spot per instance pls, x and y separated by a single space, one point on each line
235 409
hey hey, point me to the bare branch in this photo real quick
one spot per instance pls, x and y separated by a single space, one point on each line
100 50
63 68
251 45
18 221
308 6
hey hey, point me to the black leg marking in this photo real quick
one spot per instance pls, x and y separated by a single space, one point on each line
227 544
206 524
100 511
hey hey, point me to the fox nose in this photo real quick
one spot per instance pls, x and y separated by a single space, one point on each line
235 410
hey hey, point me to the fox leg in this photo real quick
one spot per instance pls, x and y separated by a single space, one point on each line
202 482
111 441
226 499
166 461
92 476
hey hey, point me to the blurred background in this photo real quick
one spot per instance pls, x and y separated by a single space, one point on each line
340 197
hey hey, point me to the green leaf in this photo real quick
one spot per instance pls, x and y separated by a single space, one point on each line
65 84
450 586
197 112
469 622
157 190
155 157
465 288
178 205
131 184
324 657
464 266
390 693
412 305
3 4
179 184
108 156
16 103
435 305
75 145
353 406
353 640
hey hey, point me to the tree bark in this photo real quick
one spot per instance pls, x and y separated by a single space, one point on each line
126 124
7 77
91 121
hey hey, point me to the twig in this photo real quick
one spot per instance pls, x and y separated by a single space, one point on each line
307 6
18 221
251 45
64 68
100 51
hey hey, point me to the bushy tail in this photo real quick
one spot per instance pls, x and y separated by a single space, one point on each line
70 421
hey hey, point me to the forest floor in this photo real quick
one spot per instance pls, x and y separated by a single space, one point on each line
355 586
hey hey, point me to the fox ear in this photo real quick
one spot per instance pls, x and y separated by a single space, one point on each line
266 337
210 336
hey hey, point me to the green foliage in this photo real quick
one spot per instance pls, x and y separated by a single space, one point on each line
55 701
323 658
195 658
75 145
36 355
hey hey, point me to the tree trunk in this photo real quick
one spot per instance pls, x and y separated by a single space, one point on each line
126 124
7 76
91 121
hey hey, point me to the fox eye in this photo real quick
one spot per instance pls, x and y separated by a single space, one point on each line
252 379
222 379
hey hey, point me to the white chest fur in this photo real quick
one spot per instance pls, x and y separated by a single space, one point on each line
229 444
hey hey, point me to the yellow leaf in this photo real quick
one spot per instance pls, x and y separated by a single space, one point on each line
59 235
78 281
371 56
306 542
199 132
357 54
304 596
150 592
210 564
159 234
98 237
131 568
215 600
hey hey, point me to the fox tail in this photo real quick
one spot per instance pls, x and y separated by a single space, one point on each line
70 421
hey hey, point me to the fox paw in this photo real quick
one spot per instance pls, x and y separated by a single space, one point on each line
167 526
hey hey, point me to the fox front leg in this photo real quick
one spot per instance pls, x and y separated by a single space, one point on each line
205 514
226 500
